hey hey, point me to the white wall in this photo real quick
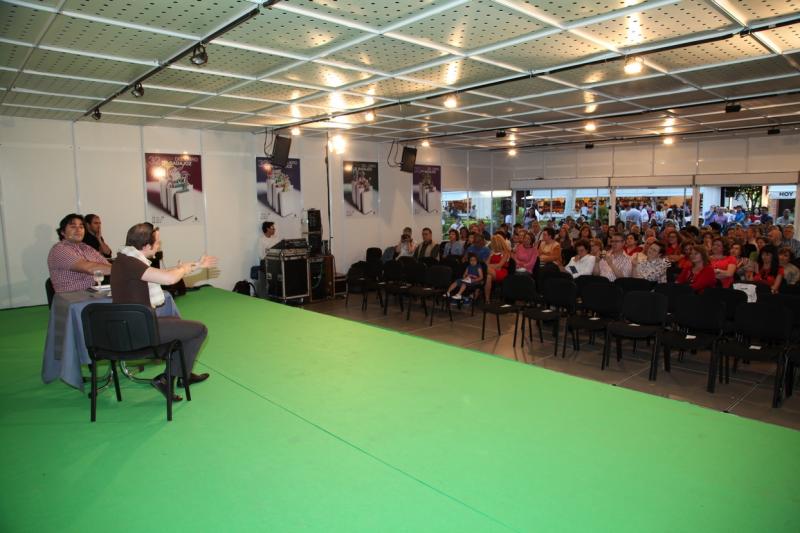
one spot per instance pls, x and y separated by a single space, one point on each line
51 168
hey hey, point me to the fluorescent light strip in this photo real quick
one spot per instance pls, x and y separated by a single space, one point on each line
61 95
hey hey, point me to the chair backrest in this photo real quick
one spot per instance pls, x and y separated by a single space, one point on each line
119 327
393 271
645 307
519 287
456 265
698 312
561 293
49 291
547 274
603 299
414 272
732 298
428 261
584 281
439 276
790 301
769 321
633 284
357 270
373 254
673 292
406 260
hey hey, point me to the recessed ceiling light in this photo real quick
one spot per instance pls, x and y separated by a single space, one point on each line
370 116
669 129
590 126
590 108
633 65
426 144
199 55
451 102
513 136
512 152
669 121
137 91
295 131
512 143
668 141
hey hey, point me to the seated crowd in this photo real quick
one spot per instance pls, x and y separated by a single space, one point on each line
724 252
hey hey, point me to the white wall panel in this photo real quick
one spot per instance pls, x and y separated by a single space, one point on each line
597 162
774 153
455 178
38 184
724 156
679 158
634 160
561 164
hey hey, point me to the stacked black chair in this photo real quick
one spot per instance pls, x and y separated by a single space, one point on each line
697 325
732 300
591 279
601 305
644 315
437 279
633 284
517 288
764 331
124 332
560 296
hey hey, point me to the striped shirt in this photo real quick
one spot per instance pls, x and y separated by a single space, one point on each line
62 257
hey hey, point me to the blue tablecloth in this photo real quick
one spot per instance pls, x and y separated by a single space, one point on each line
64 349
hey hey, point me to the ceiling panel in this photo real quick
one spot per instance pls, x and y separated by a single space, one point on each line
405 110
472 25
199 114
601 73
543 116
161 96
736 72
659 24
503 108
272 91
704 54
658 84
41 100
491 123
321 75
12 55
766 9
547 52
296 111
21 23
523 88
673 99
786 38
572 11
395 88
234 104
565 99
460 73
341 101
378 14
184 16
603 108
65 86
125 119
386 54
782 84
88 67
15 111
194 80
293 33
464 100
237 61
130 108
6 77
449 117
99 38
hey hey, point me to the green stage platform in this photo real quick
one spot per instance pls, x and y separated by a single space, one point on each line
314 423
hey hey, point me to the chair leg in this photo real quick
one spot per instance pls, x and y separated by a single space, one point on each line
116 380
555 337
93 392
619 349
516 324
789 381
606 350
449 309
541 335
653 363
497 318
522 331
483 326
667 359
184 373
408 311
386 303
564 345
169 387
777 393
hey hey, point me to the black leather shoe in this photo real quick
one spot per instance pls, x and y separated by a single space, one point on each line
160 384
194 378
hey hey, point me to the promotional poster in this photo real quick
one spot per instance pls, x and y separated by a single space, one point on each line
360 188
278 190
427 189
174 185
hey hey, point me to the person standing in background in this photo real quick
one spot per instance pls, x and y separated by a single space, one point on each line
93 235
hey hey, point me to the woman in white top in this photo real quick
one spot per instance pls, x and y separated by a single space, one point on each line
581 264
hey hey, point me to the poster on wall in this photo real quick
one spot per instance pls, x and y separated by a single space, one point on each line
174 184
427 187
360 188
278 190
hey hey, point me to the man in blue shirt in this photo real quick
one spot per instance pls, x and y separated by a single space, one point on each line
479 248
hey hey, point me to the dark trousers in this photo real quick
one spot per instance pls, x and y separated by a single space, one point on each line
190 333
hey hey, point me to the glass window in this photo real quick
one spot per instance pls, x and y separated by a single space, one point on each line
455 210
659 203
502 209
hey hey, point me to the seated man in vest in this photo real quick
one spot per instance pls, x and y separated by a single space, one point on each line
427 248
71 262
134 281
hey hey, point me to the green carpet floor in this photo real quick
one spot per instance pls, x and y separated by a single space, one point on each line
314 423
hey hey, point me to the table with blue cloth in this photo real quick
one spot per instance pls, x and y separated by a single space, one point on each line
65 350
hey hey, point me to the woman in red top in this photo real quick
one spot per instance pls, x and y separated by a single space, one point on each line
769 272
699 275
724 265
631 245
687 247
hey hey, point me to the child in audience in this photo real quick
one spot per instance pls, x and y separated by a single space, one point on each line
473 275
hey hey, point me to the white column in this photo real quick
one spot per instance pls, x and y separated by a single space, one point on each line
797 206
695 202
612 204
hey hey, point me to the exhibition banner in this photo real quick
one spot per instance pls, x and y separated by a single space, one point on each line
278 190
360 188
174 188
427 189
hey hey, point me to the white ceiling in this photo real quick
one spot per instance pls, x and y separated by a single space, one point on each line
557 64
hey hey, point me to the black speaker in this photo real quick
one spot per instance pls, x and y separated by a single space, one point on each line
280 151
318 279
315 242
409 159
287 278
314 220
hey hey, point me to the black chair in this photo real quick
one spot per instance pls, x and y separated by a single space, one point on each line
357 283
124 332
50 291
601 305
764 330
373 254
633 284
732 300
674 292
560 296
517 287
437 279
584 281
644 315
698 322
545 274
393 282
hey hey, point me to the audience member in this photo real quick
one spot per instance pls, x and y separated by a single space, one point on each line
769 271
549 249
478 247
785 219
497 265
526 254
790 272
473 277
71 262
427 248
453 247
654 267
93 235
699 275
582 263
789 241
723 263
614 263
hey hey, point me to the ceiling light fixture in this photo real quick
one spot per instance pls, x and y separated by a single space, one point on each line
512 143
370 116
590 108
590 126
732 107
669 129
633 65
500 134
295 131
669 121
199 55
96 114
668 141
588 146
773 131
451 102
426 144
513 136
137 91
512 152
